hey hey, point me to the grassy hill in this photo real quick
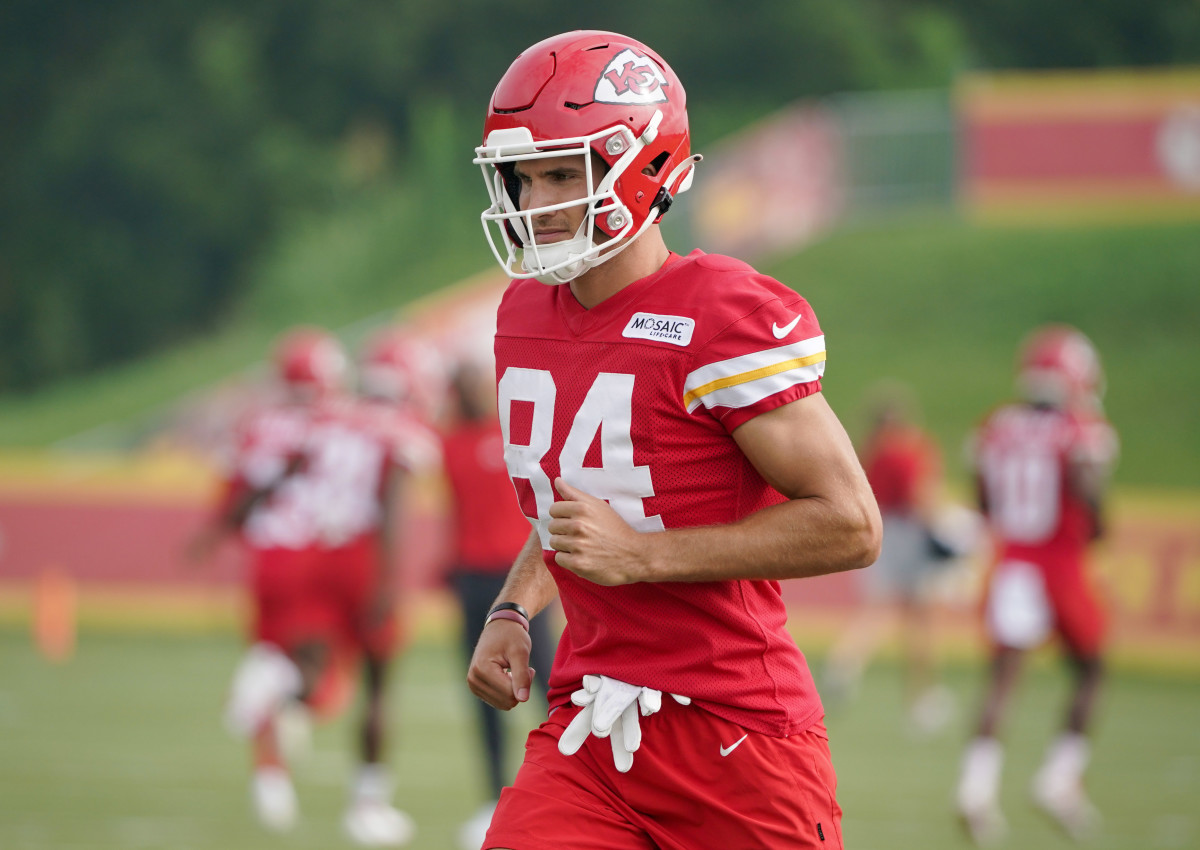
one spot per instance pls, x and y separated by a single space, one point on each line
942 305
931 300
376 254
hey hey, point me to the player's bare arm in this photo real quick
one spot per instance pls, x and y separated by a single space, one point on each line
1088 480
829 524
387 592
499 673
202 546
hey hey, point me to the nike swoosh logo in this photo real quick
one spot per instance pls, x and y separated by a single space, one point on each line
727 750
779 332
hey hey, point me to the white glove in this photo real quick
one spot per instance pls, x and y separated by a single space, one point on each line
610 710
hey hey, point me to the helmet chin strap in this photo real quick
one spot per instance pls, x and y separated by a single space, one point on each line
564 275
579 247
548 256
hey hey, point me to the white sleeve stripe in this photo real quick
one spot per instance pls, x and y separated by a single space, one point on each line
752 387
735 366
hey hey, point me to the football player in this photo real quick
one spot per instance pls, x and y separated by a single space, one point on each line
266 504
903 466
667 438
1042 464
361 456
488 532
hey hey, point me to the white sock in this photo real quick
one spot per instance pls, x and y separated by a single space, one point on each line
979 783
1066 759
372 783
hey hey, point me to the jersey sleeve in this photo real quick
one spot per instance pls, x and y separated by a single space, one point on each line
773 355
931 458
1095 444
976 441
252 462
269 444
415 448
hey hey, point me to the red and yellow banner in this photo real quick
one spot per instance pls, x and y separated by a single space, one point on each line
1111 144
107 535
775 185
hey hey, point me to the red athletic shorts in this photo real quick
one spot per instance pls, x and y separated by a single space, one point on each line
697 781
1026 602
344 592
280 581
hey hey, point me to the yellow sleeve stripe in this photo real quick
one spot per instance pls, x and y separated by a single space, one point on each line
692 396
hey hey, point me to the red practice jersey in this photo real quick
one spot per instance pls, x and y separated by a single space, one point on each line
635 402
351 448
1023 455
267 455
899 462
489 528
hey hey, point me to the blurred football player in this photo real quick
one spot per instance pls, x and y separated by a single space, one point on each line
903 465
360 457
1042 465
266 503
667 437
314 495
489 531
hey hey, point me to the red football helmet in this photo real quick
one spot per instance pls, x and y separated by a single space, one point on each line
311 359
1059 366
584 92
395 367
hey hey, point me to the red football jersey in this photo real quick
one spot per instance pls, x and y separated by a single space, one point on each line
1022 456
489 528
898 462
350 448
635 402
267 453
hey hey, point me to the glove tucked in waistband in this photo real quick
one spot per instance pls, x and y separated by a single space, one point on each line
610 710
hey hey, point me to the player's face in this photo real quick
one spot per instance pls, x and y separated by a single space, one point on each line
555 180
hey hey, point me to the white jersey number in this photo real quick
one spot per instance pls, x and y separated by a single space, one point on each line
1023 491
608 410
344 477
331 500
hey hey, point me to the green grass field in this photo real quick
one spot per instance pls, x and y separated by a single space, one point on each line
122 748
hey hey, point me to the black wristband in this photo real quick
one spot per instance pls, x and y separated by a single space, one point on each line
509 606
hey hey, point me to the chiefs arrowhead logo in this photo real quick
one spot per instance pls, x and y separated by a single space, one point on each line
630 78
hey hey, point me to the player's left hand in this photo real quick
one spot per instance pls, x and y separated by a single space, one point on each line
591 540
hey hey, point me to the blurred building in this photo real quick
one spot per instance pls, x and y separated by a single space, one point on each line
1026 146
